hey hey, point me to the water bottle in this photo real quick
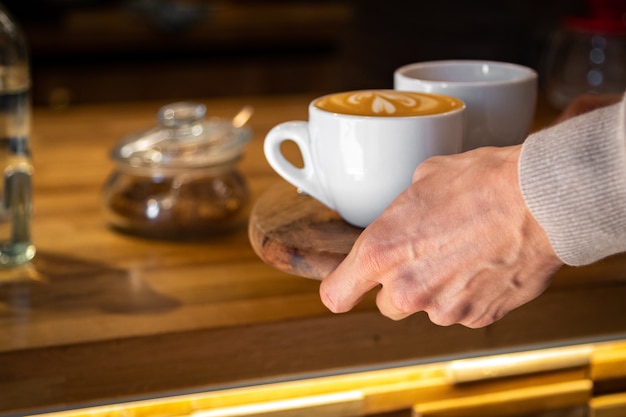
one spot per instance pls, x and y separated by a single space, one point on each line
15 188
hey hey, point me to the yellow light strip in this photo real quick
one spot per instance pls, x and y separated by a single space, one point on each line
517 402
386 390
613 405
512 364
609 362
339 404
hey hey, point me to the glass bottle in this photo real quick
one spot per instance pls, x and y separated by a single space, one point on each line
15 188
588 54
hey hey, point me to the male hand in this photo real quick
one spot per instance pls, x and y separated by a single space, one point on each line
459 244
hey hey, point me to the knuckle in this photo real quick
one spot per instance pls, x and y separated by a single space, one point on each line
447 314
439 318
370 254
484 320
404 303
422 169
400 304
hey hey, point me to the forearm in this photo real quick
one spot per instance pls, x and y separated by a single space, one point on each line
573 179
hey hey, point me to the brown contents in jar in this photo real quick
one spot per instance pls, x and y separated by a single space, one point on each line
176 207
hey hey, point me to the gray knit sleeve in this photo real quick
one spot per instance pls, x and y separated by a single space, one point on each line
573 179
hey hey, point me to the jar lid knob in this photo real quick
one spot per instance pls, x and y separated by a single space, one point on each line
181 114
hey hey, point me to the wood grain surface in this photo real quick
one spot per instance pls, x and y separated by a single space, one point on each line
101 317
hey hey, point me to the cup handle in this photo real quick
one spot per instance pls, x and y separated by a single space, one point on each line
303 178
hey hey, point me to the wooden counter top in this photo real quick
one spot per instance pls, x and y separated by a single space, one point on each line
104 317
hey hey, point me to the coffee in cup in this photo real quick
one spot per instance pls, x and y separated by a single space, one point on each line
360 148
386 103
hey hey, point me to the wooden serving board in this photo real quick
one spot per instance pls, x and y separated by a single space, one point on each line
297 234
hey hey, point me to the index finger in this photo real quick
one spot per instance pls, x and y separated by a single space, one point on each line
348 283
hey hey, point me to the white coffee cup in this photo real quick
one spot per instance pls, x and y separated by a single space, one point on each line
500 97
360 148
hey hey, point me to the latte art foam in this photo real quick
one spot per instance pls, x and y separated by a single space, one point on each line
388 103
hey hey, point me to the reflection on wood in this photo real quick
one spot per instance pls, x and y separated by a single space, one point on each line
426 389
61 284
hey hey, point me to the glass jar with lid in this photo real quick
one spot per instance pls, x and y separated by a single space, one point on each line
179 179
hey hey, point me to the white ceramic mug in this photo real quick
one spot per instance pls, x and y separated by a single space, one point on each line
500 97
360 148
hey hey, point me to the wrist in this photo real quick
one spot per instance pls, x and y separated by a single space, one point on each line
573 179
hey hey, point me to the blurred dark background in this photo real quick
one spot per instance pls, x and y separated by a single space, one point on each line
95 50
